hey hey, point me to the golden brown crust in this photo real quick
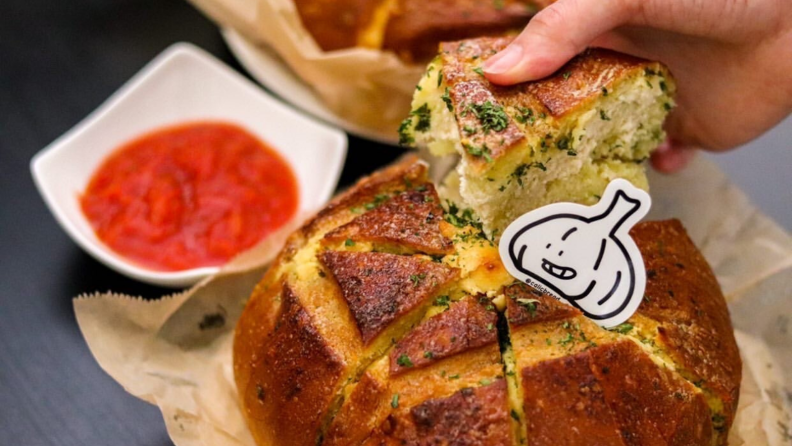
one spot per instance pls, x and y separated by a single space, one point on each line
395 178
293 378
470 99
581 80
683 296
464 326
605 392
410 220
631 382
380 287
365 400
472 416
564 404
295 346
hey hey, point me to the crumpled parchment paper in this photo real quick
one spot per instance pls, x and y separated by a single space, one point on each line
351 82
176 352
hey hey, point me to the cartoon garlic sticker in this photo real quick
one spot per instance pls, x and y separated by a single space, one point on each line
583 255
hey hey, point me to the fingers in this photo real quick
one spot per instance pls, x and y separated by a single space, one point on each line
670 158
555 35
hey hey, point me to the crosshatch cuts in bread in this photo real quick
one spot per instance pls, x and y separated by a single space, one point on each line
410 28
365 332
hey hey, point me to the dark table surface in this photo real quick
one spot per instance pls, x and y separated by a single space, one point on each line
58 61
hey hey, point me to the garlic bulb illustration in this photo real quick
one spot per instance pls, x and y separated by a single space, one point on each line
583 255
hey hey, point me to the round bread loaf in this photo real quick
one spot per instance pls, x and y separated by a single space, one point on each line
389 320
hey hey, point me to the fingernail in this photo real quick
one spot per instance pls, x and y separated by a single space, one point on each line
504 61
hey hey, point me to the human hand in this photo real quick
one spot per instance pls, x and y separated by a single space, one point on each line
732 60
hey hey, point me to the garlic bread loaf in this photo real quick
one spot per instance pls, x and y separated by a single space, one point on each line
562 138
389 320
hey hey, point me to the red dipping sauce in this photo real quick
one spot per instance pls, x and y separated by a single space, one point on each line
189 196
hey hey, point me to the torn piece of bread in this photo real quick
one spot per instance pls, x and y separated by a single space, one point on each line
563 138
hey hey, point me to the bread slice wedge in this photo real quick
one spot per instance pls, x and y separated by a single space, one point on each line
563 138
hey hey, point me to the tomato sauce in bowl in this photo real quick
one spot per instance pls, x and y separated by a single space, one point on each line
189 196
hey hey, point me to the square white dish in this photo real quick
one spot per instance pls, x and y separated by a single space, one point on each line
181 84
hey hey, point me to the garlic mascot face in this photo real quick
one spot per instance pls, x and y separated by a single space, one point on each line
583 255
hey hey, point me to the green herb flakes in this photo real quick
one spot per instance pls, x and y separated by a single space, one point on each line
623 328
447 99
491 116
404 361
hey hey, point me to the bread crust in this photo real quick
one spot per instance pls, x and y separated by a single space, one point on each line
464 326
683 296
381 287
580 81
410 220
299 380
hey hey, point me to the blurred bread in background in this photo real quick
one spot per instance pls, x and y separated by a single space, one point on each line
410 28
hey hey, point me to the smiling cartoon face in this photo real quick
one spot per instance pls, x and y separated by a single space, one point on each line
561 253
583 255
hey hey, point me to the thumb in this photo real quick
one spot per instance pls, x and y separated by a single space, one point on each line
554 36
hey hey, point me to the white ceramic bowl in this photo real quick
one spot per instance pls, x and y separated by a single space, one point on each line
183 83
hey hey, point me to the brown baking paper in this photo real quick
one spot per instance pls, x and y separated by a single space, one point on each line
176 352
353 82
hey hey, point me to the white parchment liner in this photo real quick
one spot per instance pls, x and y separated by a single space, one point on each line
159 352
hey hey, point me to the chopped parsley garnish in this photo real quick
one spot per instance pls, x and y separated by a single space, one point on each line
418 87
428 355
514 415
623 328
479 71
447 99
395 401
424 118
566 75
439 79
604 116
485 382
480 152
491 116
349 242
405 138
378 200
404 361
453 376
442 301
566 340
417 278
666 106
604 91
526 115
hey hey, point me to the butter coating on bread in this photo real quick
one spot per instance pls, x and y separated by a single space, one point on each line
369 343
562 138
